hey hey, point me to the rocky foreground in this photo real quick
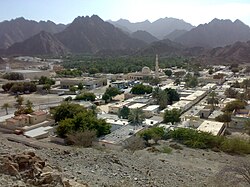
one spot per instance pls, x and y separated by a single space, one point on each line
22 166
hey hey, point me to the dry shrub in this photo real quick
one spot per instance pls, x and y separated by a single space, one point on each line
83 139
136 143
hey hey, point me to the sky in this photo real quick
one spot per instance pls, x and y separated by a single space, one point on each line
64 11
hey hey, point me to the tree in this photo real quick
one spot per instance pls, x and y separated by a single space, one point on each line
191 81
210 71
87 96
5 106
234 105
161 97
172 95
172 116
19 101
66 110
82 121
28 107
80 86
46 80
140 89
213 100
124 112
112 91
155 133
136 116
168 72
225 118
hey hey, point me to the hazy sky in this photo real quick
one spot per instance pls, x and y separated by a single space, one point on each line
64 11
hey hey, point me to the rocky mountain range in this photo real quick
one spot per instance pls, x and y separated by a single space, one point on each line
217 33
43 43
20 29
92 34
238 52
144 36
159 28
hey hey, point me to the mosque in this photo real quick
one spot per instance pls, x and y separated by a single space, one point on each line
146 72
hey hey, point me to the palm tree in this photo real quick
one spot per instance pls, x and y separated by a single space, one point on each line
136 117
19 100
213 100
29 106
6 106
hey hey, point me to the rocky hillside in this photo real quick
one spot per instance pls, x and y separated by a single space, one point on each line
144 36
20 29
159 28
109 168
92 34
41 44
175 34
217 33
239 52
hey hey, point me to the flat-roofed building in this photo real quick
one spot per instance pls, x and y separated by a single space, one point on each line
88 82
214 127
136 105
150 110
114 108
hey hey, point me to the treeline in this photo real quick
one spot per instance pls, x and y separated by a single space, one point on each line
93 65
19 87
13 76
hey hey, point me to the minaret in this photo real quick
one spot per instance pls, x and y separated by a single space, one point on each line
156 67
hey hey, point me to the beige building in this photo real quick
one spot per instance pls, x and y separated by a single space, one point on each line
88 82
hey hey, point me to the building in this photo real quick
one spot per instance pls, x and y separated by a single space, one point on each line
213 127
146 73
88 82
26 122
150 110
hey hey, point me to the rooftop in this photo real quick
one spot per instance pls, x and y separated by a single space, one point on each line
136 105
151 107
212 127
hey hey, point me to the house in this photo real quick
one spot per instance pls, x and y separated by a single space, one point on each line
37 117
150 110
213 127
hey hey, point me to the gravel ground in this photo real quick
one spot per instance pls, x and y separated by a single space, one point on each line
187 167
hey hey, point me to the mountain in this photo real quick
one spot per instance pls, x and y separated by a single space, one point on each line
217 33
20 29
159 28
175 34
92 34
43 43
144 36
169 48
238 52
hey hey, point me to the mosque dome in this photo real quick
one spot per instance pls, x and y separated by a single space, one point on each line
146 70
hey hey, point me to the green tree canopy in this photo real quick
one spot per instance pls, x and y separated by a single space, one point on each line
87 96
124 112
168 72
82 121
155 133
172 116
140 89
212 99
66 110
234 105
136 116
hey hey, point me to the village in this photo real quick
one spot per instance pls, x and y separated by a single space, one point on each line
216 102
